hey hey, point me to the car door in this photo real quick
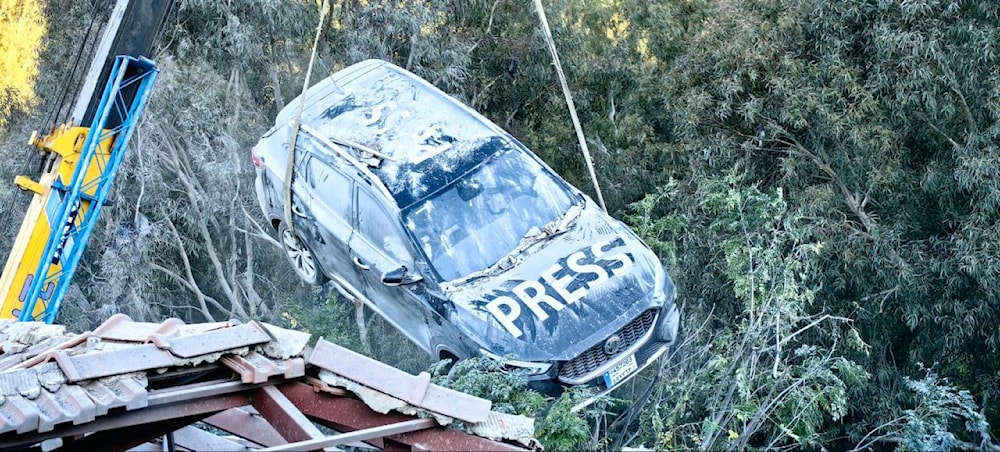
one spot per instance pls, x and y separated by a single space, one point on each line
379 245
322 205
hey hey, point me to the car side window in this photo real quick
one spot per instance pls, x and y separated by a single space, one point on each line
380 229
331 186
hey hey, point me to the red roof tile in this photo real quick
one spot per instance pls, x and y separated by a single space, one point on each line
129 382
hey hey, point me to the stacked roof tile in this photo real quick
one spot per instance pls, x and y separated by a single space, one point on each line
131 384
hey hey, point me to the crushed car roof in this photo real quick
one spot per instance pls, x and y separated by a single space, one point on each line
429 140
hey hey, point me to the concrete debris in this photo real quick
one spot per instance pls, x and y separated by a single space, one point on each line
210 358
50 376
505 426
286 343
378 401
30 333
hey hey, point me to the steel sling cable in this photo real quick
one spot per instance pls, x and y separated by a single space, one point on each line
289 172
569 102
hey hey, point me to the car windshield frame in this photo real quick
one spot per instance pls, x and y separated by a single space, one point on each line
472 213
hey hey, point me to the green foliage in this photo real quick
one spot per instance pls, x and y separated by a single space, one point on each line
862 116
943 418
22 29
490 379
556 426
561 429
771 371
329 317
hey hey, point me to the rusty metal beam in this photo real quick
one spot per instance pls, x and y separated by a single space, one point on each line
194 438
346 414
165 408
246 425
125 438
284 416
196 390
358 435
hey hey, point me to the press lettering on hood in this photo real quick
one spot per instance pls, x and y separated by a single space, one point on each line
562 284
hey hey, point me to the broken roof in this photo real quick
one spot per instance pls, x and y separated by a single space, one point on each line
127 385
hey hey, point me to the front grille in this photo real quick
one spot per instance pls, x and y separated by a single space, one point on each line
595 357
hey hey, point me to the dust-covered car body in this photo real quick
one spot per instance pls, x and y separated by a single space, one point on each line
458 235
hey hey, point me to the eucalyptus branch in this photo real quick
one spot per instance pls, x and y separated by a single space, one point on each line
953 85
957 147
809 326
189 275
209 242
821 161
203 309
862 445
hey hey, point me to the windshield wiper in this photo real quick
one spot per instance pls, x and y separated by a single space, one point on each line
564 222
505 263
554 228
559 225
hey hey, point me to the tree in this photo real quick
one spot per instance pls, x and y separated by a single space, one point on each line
22 27
185 238
760 366
876 120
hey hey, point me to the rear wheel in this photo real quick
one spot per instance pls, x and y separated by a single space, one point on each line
301 257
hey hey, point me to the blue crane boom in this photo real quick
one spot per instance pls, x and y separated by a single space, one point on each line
82 156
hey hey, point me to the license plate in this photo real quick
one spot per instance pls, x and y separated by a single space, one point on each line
621 371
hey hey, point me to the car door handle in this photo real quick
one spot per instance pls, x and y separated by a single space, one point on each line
361 265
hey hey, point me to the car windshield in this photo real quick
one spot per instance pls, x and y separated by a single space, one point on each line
477 220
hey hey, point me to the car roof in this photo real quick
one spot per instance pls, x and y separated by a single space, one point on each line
428 138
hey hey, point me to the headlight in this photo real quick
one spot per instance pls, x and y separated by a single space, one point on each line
532 367
665 295
668 324
664 291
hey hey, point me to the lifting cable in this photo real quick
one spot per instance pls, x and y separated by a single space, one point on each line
569 102
289 172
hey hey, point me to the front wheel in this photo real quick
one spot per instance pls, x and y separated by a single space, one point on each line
301 257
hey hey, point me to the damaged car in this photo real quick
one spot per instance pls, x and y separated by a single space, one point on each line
458 235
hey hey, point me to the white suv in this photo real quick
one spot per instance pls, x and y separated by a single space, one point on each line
459 236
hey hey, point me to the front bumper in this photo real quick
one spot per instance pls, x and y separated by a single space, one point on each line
646 337
647 356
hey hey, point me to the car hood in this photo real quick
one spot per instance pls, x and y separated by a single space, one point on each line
563 294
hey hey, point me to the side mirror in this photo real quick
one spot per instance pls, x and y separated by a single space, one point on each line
399 276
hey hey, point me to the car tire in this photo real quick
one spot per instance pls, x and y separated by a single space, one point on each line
303 260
